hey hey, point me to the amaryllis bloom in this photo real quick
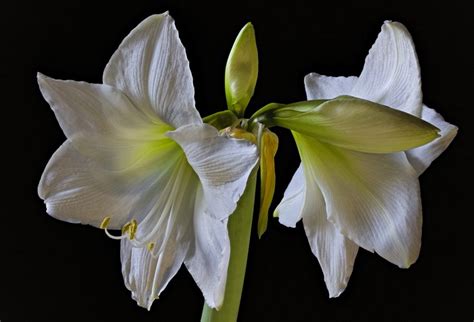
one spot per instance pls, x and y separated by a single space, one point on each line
351 195
139 158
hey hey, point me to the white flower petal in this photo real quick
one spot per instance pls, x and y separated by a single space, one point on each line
84 109
391 74
421 157
208 257
76 190
327 87
165 221
372 199
223 165
145 274
151 68
290 209
335 253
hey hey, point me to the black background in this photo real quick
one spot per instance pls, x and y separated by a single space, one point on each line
54 271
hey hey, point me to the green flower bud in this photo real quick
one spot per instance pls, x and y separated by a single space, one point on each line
353 123
241 71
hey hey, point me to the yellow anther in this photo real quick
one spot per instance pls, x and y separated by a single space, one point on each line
150 246
133 229
105 223
125 228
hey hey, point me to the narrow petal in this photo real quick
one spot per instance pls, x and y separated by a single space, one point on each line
223 165
372 199
421 157
327 87
164 234
335 253
208 257
268 149
151 68
391 74
290 209
145 274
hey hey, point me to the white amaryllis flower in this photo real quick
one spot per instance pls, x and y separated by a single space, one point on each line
138 155
350 199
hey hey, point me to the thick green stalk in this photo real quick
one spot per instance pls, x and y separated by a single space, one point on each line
240 226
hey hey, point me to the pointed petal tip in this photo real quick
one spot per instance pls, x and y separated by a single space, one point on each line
287 223
336 289
42 78
335 294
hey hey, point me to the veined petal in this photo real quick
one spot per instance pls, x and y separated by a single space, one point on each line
118 152
151 68
103 124
84 109
391 73
327 87
372 199
208 257
335 253
164 233
145 274
223 165
421 157
76 190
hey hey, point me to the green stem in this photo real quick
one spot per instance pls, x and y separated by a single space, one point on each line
240 226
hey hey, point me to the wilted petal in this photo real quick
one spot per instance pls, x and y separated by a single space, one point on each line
372 199
327 87
223 165
151 68
391 74
421 158
208 257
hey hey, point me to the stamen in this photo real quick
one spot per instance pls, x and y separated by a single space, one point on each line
130 228
133 229
105 223
150 246
126 228
114 237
